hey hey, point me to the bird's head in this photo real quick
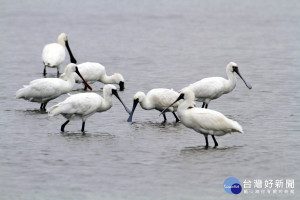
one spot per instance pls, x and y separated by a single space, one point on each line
62 37
232 67
139 97
69 70
110 90
118 79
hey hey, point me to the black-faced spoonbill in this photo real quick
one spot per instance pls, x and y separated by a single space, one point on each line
158 99
83 105
204 121
93 72
45 89
54 54
208 89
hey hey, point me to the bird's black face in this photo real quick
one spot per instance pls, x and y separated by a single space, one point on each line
115 92
121 84
135 102
181 96
85 83
235 69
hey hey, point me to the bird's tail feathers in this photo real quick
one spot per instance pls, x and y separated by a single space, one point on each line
57 109
237 127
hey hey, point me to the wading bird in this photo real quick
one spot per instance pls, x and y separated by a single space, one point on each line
204 121
45 89
93 72
83 105
54 54
208 89
158 99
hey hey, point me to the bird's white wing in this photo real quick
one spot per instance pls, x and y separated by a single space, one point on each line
53 54
43 88
168 97
208 87
163 97
212 120
80 104
90 71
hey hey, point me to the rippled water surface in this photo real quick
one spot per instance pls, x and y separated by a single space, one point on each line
153 44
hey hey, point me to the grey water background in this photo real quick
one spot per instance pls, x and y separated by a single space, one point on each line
153 44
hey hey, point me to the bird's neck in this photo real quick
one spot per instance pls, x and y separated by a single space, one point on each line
146 104
107 102
61 42
70 79
186 104
231 82
107 79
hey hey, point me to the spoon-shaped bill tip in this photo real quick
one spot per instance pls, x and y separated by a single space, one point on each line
246 83
130 118
135 102
249 85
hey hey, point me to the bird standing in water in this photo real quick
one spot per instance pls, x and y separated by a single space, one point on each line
54 54
83 105
204 121
45 89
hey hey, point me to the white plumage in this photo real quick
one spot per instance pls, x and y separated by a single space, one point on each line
204 121
93 72
158 99
83 105
54 54
45 89
208 89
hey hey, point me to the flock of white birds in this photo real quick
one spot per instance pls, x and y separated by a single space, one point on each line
83 105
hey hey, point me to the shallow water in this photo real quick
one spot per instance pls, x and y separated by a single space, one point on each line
153 44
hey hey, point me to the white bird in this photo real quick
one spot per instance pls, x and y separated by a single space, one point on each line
208 89
158 99
93 72
204 121
54 54
45 89
83 105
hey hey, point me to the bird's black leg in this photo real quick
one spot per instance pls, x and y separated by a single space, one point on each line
44 73
85 87
165 118
57 72
177 120
63 126
203 105
42 106
216 143
206 140
206 106
82 128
